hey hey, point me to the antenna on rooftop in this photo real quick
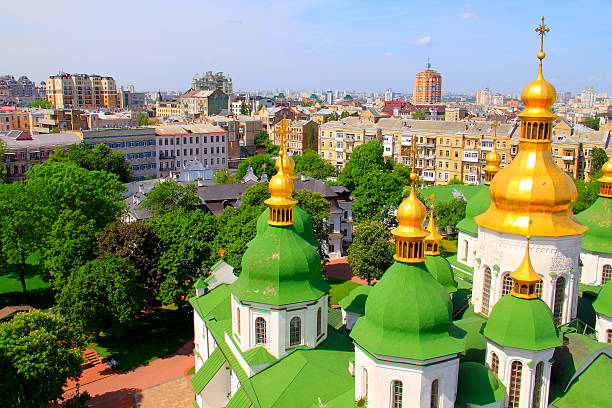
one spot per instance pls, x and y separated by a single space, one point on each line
428 63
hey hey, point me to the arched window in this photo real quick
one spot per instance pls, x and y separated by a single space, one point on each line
537 387
538 289
396 394
319 322
465 249
486 291
238 320
364 391
435 395
507 283
260 330
606 274
295 331
609 336
494 363
514 394
559 300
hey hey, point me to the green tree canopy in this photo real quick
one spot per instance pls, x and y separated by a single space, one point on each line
449 213
103 293
143 119
224 176
371 252
318 208
39 352
137 242
262 138
419 114
593 123
168 196
333 116
41 104
186 243
344 114
255 195
98 157
599 158
376 196
59 186
259 163
311 164
588 191
237 226
366 158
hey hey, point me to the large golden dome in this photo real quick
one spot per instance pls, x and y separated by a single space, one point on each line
410 216
532 196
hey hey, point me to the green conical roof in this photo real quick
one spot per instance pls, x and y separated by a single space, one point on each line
522 323
475 206
356 299
603 303
407 315
598 217
478 385
301 221
442 271
280 267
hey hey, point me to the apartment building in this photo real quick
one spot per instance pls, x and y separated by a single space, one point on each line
572 148
303 135
23 150
82 91
179 144
210 82
136 144
427 87
129 100
338 139
197 103
53 120
166 109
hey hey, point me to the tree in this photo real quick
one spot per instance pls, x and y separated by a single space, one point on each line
588 191
419 114
244 109
255 195
21 227
40 104
599 158
259 163
344 114
169 196
310 163
223 176
237 226
99 157
318 208
58 186
449 213
39 352
333 116
366 158
103 293
593 123
186 245
138 243
69 245
262 138
376 196
143 119
371 252
455 181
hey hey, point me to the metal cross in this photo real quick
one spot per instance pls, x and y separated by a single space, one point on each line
542 29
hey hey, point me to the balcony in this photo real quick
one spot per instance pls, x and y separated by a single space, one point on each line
406 141
339 149
44 121
470 156
569 158
429 176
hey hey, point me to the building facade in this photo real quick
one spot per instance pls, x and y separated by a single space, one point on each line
196 102
82 91
427 87
303 134
211 82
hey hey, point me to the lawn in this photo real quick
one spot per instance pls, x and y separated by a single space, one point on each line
152 336
339 289
39 292
448 247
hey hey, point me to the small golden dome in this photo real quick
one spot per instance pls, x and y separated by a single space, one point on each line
605 187
432 241
410 214
286 162
525 277
538 96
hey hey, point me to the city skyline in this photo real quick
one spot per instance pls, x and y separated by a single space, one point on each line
312 44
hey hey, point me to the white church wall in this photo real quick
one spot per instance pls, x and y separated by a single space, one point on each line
592 267
603 324
466 248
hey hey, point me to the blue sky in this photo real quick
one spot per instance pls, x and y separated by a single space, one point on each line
311 44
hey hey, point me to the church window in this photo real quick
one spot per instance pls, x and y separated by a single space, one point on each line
506 284
260 331
486 290
537 388
238 320
538 288
494 363
364 392
295 331
559 300
606 274
465 249
609 336
435 397
514 394
396 394
319 322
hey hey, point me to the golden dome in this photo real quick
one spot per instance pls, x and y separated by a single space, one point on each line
410 215
432 241
493 159
532 188
605 188
525 277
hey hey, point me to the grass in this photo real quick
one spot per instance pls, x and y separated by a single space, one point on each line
448 247
339 289
39 294
152 336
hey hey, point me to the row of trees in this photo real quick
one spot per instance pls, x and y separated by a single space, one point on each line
588 191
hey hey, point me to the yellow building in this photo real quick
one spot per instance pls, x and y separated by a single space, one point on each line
166 109
302 135
338 139
82 91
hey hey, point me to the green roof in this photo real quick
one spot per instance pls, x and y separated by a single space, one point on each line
302 222
213 304
200 283
207 371
258 355
448 192
522 323
280 267
239 400
442 271
475 342
598 217
603 303
457 264
478 204
408 315
591 389
355 301
478 385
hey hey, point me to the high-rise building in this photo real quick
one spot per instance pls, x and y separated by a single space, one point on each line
211 82
389 95
587 98
427 86
483 97
82 90
329 97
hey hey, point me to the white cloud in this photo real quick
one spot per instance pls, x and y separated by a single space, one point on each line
388 54
467 15
600 78
421 41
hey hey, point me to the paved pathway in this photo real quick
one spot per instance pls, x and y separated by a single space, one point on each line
339 268
128 389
